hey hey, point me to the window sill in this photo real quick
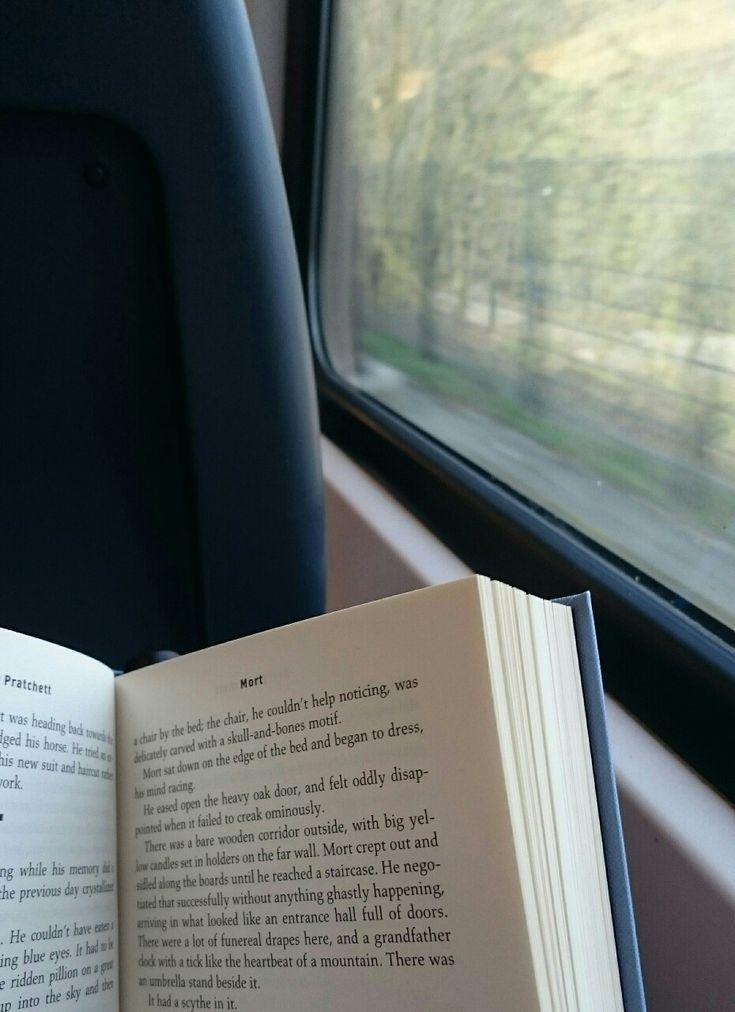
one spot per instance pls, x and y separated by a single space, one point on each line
680 835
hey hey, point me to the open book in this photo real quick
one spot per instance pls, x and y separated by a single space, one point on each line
391 807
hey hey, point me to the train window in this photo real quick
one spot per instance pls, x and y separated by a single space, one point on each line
527 250
515 230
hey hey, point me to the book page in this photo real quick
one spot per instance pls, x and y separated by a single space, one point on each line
57 829
316 818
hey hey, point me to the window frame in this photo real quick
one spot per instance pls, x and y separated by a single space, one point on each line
666 661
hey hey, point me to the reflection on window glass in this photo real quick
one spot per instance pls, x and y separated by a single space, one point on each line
528 251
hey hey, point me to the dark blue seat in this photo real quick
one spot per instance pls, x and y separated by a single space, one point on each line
159 461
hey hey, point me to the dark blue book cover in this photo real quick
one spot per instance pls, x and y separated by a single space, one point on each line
607 802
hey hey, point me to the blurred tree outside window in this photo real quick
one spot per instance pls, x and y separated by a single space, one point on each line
528 248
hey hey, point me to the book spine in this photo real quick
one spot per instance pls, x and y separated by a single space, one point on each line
607 803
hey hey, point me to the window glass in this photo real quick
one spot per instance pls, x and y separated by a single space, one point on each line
527 250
